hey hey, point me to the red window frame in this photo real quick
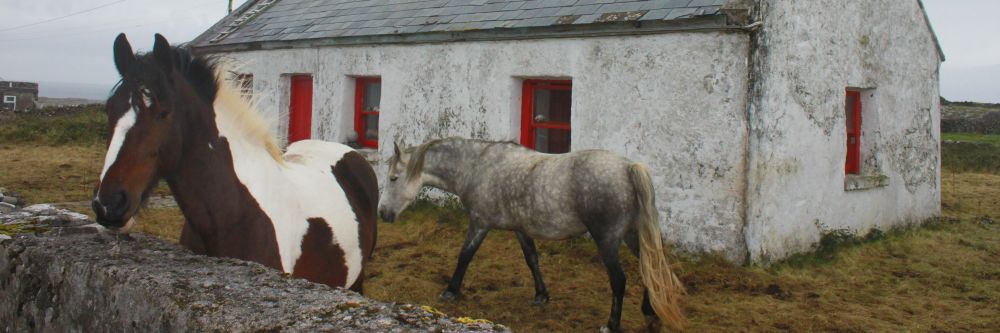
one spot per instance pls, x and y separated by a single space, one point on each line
528 123
852 106
360 115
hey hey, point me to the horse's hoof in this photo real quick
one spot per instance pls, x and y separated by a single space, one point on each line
653 324
605 329
450 296
541 299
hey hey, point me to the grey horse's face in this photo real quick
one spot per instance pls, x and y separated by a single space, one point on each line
400 188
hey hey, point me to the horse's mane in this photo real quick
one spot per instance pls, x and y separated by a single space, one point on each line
209 77
416 164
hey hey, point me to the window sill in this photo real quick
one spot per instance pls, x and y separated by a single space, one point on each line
864 182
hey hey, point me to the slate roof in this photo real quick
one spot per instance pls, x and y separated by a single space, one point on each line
293 20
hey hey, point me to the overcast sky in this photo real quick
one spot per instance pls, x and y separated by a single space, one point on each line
77 48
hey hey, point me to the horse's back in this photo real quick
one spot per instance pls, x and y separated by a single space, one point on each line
561 192
316 153
596 182
356 179
354 174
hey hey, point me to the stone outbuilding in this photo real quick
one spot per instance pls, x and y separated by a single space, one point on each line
18 96
765 123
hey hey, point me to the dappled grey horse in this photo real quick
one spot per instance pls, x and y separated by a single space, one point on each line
503 185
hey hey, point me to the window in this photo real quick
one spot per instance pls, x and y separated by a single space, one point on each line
366 109
862 166
545 115
853 112
9 102
245 84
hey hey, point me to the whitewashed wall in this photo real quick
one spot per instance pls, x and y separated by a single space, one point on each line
676 102
808 53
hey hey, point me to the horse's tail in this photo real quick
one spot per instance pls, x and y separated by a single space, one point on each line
665 289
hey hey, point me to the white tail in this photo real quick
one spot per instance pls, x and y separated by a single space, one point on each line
665 289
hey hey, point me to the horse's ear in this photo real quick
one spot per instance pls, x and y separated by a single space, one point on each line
124 58
395 149
163 53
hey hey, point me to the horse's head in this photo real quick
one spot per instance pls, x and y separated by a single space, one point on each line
144 139
404 182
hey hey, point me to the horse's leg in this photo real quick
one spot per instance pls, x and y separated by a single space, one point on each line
473 239
359 284
531 257
192 241
652 321
609 255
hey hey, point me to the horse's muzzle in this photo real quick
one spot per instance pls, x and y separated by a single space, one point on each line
387 215
110 209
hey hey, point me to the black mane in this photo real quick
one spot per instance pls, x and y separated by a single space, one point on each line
198 71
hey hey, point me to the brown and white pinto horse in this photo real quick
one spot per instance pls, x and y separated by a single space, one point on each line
310 213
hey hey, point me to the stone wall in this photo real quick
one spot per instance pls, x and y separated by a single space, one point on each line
78 278
988 123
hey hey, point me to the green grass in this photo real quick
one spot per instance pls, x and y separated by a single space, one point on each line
83 125
972 137
944 276
971 156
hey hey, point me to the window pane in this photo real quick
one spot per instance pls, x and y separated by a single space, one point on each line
371 127
373 93
541 106
559 105
552 105
246 86
552 141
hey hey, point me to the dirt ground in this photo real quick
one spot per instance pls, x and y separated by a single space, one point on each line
941 277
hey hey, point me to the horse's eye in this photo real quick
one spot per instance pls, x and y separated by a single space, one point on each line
393 178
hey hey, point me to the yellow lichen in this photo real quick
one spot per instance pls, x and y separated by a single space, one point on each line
471 321
433 311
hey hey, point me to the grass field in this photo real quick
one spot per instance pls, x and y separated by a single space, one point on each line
972 137
941 277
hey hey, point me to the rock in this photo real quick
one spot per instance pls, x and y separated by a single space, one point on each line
6 208
79 282
42 209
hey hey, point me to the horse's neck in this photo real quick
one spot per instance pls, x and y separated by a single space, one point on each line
449 165
209 185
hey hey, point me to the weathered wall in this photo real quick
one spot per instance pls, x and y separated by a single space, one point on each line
807 54
674 101
83 281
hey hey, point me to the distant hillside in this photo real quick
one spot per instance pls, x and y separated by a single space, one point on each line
45 102
970 117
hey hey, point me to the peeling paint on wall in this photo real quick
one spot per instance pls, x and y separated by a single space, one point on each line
805 56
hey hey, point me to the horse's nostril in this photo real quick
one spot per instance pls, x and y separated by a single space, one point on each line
111 205
387 216
118 199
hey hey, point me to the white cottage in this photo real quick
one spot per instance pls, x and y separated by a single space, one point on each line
766 123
